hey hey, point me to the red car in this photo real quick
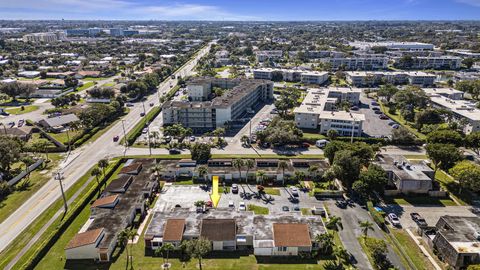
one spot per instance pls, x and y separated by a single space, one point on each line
115 139
209 204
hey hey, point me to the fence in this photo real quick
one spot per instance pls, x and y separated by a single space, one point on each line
21 175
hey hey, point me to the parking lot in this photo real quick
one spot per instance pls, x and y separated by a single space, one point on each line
373 125
186 196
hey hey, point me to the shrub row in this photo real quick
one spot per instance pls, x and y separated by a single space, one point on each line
137 130
378 217
74 211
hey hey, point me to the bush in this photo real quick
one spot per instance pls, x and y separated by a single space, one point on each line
137 130
378 217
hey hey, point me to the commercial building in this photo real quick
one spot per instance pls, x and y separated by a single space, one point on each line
319 111
44 37
357 63
206 112
393 45
427 62
465 112
372 78
114 211
227 230
456 240
465 53
291 75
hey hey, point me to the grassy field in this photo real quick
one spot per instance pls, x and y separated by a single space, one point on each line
313 136
62 136
38 178
18 110
85 86
412 250
465 197
258 210
91 79
399 119
110 84
418 201
272 191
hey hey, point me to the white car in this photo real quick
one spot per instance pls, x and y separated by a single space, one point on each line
241 206
231 204
394 220
294 191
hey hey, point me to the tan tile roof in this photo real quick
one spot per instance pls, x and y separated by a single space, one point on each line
291 235
85 238
174 230
105 200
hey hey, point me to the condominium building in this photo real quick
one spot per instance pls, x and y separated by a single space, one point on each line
291 75
465 112
203 114
371 78
357 63
44 37
319 111
429 62
393 45
263 56
317 54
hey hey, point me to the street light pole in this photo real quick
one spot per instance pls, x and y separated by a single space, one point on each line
148 138
58 176
124 135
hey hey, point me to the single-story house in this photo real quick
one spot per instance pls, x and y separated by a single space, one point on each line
57 124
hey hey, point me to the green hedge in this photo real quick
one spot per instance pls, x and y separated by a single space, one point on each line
378 217
137 130
71 215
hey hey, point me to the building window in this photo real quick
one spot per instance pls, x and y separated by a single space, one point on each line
284 249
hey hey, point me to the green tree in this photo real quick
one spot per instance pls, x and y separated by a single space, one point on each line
387 91
41 145
164 250
201 152
10 150
329 176
365 226
260 176
443 156
326 243
346 167
333 223
238 164
402 136
427 117
96 172
103 164
282 165
467 174
445 136
375 178
203 172
197 248
473 141
332 134
250 164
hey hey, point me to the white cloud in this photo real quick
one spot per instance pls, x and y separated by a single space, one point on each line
470 2
112 9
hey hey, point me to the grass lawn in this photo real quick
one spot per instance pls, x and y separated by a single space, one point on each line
220 69
306 211
18 110
183 182
313 136
223 189
416 157
110 84
418 201
466 197
399 119
37 179
85 86
272 191
258 210
23 239
412 250
361 240
35 137
91 79
63 138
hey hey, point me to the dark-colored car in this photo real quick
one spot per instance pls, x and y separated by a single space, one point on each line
384 117
235 188
174 151
142 114
341 203
285 208
115 139
20 123
151 104
354 108
421 222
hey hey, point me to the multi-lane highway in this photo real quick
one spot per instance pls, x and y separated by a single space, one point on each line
80 160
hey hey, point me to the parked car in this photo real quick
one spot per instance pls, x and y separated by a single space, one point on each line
21 122
395 126
376 108
151 104
167 139
116 138
393 219
321 143
231 204
418 219
377 112
209 204
318 210
341 203
11 124
285 208
354 108
294 191
241 206
129 105
296 208
374 103
142 114
174 151
234 188
144 131
391 123
192 138
383 117
4 113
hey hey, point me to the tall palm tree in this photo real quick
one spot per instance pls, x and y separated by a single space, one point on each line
325 240
103 164
157 169
366 226
341 254
282 164
334 222
166 248
249 163
203 172
96 172
238 164
122 240
260 176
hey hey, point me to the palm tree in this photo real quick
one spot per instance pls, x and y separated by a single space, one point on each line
249 163
245 140
341 254
96 172
282 164
313 170
165 248
156 136
260 176
28 161
334 222
122 240
202 172
299 176
366 226
157 169
131 235
238 164
325 241
103 164
329 176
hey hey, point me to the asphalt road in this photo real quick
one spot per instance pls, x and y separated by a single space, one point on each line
79 162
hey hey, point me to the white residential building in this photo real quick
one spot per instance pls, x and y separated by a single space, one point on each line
357 63
291 75
263 56
430 62
45 37
465 112
318 111
393 45
371 78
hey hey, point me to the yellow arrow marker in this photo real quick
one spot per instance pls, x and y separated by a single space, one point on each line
215 196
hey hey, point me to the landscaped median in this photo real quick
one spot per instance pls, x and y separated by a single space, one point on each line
133 134
38 250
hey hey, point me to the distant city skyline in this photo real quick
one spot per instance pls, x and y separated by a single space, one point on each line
259 10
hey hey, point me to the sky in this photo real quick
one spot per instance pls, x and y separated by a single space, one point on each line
241 10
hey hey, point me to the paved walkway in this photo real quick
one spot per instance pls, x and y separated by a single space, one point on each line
423 249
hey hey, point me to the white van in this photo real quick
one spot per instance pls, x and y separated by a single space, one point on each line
321 143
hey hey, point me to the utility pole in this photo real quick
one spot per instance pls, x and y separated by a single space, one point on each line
148 138
58 176
143 104
4 128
